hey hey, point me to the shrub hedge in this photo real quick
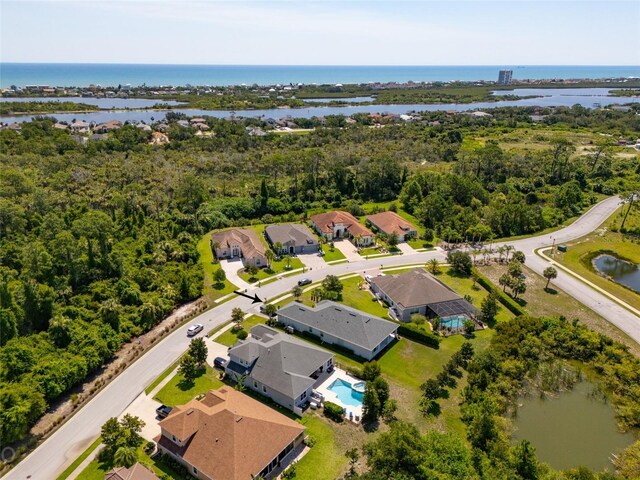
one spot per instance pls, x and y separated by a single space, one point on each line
333 411
419 334
502 297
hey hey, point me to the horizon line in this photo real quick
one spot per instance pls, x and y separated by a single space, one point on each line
321 64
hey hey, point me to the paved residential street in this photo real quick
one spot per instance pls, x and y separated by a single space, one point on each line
48 460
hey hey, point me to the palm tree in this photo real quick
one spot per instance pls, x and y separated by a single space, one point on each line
125 457
434 266
501 250
549 273
508 248
270 257
296 291
287 259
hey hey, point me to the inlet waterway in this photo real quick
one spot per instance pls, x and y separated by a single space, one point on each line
620 271
576 428
586 97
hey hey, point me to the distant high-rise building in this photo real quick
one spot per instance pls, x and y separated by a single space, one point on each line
504 77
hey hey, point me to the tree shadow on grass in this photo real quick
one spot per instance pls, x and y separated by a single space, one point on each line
551 291
185 384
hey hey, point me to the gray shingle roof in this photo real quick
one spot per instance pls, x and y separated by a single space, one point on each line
414 288
296 233
283 363
351 325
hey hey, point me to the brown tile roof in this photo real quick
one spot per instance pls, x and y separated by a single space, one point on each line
136 472
391 222
229 435
414 288
326 221
248 240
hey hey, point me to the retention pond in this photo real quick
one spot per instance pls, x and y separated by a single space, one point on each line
620 271
575 428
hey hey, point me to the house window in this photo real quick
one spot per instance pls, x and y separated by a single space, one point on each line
264 389
173 438
310 329
303 396
195 471
321 334
257 261
255 384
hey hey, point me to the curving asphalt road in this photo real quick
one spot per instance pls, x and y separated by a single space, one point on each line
61 448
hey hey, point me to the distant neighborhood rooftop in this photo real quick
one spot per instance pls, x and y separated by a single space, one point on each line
246 238
390 222
136 472
290 232
353 326
326 221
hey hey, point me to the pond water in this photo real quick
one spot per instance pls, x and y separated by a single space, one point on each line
102 103
588 97
620 271
572 429
350 99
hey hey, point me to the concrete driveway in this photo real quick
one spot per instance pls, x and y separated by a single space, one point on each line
406 249
312 260
144 407
231 268
349 250
215 350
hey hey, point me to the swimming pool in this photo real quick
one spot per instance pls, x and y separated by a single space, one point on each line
346 394
454 321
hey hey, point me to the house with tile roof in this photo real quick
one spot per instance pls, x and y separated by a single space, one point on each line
390 223
419 292
136 472
294 238
334 323
279 366
337 224
229 435
240 243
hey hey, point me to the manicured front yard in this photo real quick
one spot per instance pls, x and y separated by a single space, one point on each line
277 267
212 289
330 256
229 338
176 392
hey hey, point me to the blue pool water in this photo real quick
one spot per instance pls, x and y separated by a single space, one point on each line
346 394
455 321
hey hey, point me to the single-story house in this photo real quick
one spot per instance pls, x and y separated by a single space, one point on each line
419 292
278 366
365 335
240 243
229 435
294 237
338 224
390 223
136 472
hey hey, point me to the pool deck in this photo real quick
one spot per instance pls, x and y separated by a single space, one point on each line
329 396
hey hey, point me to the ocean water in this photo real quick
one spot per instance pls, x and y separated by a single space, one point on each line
79 74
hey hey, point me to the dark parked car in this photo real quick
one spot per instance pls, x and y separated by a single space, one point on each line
304 281
219 362
162 411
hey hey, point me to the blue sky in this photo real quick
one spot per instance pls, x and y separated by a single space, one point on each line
349 32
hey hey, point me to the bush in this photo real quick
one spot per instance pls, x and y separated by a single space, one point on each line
149 447
333 411
503 298
242 334
419 334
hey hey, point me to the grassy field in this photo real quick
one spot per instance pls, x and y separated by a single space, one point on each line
212 290
176 392
329 255
554 302
229 338
326 458
580 253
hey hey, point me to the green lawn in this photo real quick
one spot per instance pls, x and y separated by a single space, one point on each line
96 469
369 251
76 463
277 267
330 256
464 286
212 290
229 338
325 460
162 376
578 259
177 393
